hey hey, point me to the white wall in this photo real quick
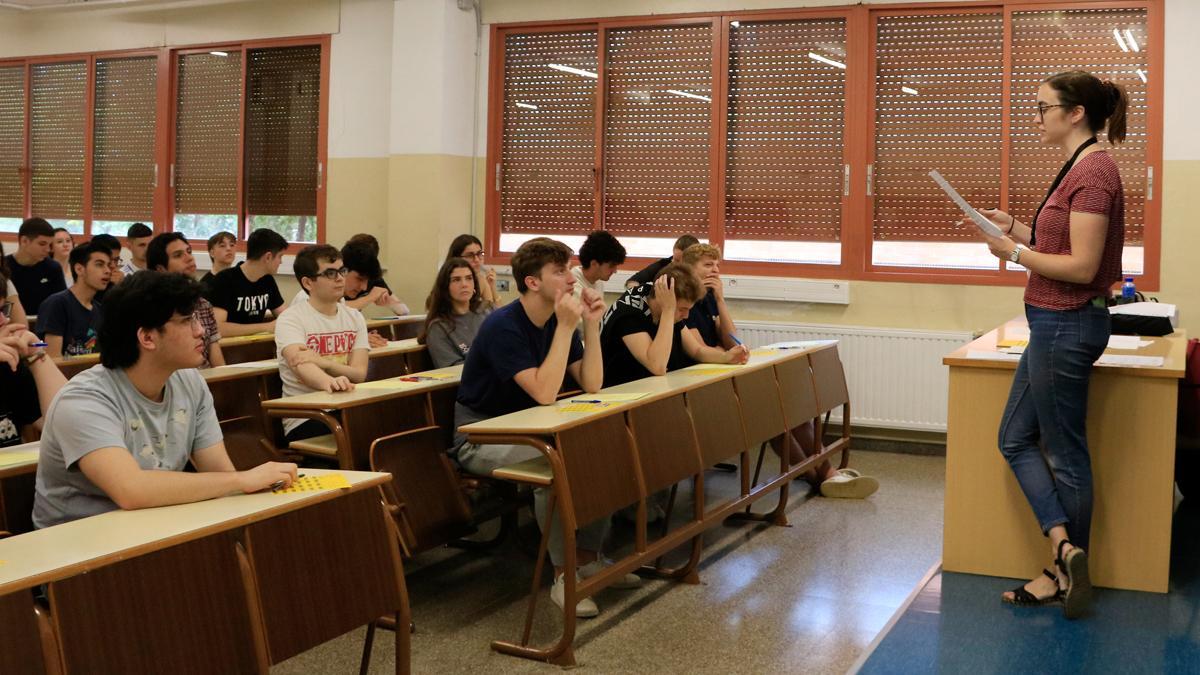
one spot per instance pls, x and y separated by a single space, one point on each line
1180 82
360 80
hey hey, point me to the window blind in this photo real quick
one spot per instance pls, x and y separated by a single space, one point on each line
283 99
207 133
1110 44
657 130
123 139
12 141
784 140
58 122
548 149
938 103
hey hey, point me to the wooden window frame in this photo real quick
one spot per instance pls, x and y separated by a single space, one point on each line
164 153
856 236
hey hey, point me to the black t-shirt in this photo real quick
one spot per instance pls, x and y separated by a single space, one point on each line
507 343
651 271
18 403
62 314
243 300
628 315
35 282
705 318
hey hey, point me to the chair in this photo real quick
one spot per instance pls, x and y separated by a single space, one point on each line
718 424
762 420
830 380
20 643
246 444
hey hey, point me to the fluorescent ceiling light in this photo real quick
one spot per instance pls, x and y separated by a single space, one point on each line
1142 74
573 71
1131 42
686 94
909 90
527 106
1120 40
823 59
219 53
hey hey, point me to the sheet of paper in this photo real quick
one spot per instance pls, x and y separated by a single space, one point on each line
607 398
253 364
709 369
991 356
1127 342
800 344
329 481
1010 342
14 457
391 383
1015 349
1146 309
582 407
976 217
1130 360
764 351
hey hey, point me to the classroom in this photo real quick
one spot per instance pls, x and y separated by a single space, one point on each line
332 336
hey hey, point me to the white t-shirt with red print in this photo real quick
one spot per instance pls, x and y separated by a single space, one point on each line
334 337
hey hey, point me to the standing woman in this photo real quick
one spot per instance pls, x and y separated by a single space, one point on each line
467 246
61 251
455 314
1073 257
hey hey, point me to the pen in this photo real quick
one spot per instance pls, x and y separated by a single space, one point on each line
735 339
40 344
586 400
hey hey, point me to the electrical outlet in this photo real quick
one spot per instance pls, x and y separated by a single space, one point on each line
502 285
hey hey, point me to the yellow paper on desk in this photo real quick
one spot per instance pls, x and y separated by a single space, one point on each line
763 351
608 398
329 481
582 407
18 457
710 369
392 383
1012 343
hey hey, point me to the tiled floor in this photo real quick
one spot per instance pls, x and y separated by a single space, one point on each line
957 624
806 598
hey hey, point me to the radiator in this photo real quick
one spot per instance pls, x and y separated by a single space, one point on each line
896 377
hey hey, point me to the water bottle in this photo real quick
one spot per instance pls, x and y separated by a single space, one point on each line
1128 291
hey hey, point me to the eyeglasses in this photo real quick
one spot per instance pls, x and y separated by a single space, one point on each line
331 273
192 318
1042 108
478 255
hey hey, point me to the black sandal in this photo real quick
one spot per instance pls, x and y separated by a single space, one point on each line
1077 597
1023 598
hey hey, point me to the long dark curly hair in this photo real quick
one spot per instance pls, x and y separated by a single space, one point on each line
440 307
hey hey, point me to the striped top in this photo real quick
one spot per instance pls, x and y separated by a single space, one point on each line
1093 185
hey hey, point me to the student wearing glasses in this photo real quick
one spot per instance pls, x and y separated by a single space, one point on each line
468 247
320 342
171 252
120 434
1072 249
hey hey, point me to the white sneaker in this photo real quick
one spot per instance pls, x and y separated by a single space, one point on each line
849 484
625 583
584 609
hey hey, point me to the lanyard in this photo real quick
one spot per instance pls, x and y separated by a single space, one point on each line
1054 186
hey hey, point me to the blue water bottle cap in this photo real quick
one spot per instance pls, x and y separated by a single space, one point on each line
1129 279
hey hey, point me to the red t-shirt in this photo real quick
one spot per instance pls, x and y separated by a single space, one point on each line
1093 185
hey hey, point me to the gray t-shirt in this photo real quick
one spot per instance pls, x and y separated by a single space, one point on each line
100 408
448 343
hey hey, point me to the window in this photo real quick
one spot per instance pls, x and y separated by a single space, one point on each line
801 140
233 139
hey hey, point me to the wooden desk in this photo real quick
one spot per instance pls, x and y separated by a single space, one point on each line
70 366
398 327
318 564
600 460
16 488
399 357
356 418
256 347
989 526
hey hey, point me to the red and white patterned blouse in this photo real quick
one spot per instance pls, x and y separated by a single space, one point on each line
1093 185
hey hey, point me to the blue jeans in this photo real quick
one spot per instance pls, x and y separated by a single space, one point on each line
1043 434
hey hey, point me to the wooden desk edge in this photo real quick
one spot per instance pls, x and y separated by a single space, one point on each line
83 566
376 396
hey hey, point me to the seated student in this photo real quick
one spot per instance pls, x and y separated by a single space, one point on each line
28 383
11 308
242 296
520 358
171 252
120 434
651 271
455 314
69 320
321 343
641 332
599 257
222 249
113 246
61 252
710 321
137 238
31 269
364 279
469 248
